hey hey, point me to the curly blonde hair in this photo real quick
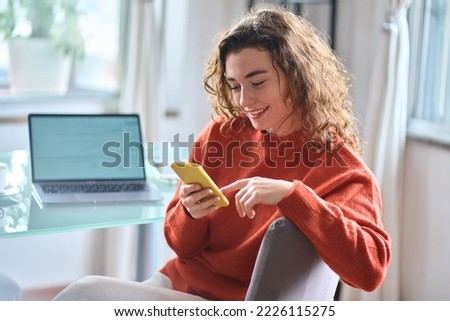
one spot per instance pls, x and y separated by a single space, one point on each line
318 82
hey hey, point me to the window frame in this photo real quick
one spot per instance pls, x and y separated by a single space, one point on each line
419 127
109 99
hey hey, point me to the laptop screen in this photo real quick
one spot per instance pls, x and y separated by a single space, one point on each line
86 147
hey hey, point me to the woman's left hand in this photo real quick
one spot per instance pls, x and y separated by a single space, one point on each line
257 190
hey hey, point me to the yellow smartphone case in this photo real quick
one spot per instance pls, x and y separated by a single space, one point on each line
191 173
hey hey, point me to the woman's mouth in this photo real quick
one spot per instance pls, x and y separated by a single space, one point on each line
256 113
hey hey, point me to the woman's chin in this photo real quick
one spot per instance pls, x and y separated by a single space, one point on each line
258 126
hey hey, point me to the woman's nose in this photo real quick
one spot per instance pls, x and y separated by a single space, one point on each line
247 98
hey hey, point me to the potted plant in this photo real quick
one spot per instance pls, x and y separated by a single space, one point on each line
43 38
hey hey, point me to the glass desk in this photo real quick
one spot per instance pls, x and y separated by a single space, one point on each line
20 215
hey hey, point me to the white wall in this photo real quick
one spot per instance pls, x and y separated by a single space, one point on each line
358 32
13 135
48 260
425 259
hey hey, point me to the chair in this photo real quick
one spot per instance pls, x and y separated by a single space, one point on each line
9 289
288 268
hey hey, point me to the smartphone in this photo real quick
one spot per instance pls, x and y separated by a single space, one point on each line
191 173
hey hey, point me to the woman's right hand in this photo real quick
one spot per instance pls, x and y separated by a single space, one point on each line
192 197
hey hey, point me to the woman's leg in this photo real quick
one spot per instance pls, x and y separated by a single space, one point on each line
102 288
10 290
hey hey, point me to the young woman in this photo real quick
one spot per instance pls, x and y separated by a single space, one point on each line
283 142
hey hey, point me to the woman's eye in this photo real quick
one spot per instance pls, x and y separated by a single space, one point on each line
234 88
257 84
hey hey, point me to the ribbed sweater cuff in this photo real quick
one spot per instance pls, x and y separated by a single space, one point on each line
185 222
301 205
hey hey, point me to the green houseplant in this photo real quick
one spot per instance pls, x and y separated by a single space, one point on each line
43 37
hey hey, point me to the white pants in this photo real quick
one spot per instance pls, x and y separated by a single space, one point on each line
102 288
9 289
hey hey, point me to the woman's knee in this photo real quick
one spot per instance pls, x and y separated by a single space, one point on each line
91 287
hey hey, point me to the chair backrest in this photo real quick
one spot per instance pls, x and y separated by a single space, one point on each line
288 268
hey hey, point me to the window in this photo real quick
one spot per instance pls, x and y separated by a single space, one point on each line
101 28
429 22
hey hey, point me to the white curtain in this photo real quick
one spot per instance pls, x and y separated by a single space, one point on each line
386 137
143 86
142 94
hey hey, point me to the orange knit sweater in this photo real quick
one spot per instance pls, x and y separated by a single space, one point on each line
335 203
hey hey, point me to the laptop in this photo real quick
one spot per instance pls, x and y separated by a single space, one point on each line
88 158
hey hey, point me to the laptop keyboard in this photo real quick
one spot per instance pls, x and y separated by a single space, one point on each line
97 187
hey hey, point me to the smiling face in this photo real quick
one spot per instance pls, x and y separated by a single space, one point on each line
257 85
